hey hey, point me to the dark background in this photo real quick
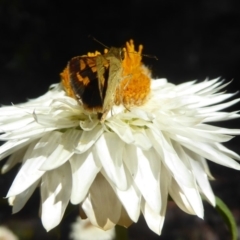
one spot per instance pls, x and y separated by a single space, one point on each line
192 40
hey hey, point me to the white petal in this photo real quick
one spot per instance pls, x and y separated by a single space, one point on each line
205 135
88 138
32 131
201 160
227 151
214 99
68 142
144 167
109 149
218 107
198 87
202 180
130 198
170 158
154 220
124 220
209 152
197 169
158 83
35 156
89 125
84 171
141 139
220 116
12 124
122 129
102 206
54 122
11 146
55 193
188 199
21 199
145 115
15 158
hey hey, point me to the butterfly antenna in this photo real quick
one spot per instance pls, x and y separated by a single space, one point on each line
94 39
146 55
150 56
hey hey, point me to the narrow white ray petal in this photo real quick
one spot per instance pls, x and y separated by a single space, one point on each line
84 171
202 180
12 125
195 164
141 139
216 87
201 160
154 220
194 198
21 199
215 99
122 129
88 125
12 146
129 198
227 151
109 149
165 181
68 142
56 122
88 138
222 85
209 152
145 115
170 158
35 156
179 198
218 130
167 122
138 122
181 154
198 87
158 83
32 132
124 219
15 158
199 135
218 107
144 167
220 116
102 206
55 194
185 85
191 193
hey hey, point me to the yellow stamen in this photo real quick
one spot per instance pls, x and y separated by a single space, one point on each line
135 85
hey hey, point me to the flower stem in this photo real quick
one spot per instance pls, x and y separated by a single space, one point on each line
121 233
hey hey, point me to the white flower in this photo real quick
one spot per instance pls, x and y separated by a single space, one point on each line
84 230
125 166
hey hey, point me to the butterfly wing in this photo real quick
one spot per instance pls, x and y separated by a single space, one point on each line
84 82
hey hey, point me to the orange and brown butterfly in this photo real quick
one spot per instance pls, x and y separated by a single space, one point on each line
100 81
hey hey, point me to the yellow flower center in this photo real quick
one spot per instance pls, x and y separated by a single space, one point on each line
135 85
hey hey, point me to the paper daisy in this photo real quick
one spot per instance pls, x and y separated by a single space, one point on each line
153 143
